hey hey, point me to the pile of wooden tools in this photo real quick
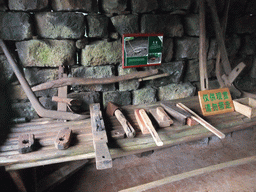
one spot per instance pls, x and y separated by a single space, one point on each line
162 115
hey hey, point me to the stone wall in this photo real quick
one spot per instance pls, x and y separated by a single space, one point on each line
86 36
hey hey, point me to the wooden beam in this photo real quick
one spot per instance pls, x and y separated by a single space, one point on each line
102 155
60 175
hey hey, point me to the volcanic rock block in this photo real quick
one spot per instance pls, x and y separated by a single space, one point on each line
97 26
65 25
15 26
46 53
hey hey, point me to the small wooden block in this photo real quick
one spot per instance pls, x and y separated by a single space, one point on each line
26 143
63 138
246 106
163 120
191 122
215 101
176 112
120 133
141 123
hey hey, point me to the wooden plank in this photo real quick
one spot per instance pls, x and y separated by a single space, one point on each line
18 181
102 155
209 169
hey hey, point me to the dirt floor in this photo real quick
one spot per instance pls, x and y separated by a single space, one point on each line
139 169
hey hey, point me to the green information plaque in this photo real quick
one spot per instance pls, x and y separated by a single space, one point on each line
141 50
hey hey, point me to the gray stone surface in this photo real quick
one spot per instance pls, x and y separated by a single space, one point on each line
167 50
170 25
60 25
17 93
191 24
37 76
243 25
143 96
176 91
144 6
187 48
24 110
248 45
233 44
3 6
117 97
192 70
253 70
237 7
175 69
5 68
48 103
75 5
46 53
126 24
127 85
94 72
97 26
213 49
173 5
114 6
15 26
213 84
87 98
102 53
27 5
251 7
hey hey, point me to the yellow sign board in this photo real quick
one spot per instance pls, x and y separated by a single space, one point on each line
215 101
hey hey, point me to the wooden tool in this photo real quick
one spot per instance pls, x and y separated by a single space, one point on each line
202 121
26 143
179 114
246 106
102 155
63 138
113 109
146 125
163 120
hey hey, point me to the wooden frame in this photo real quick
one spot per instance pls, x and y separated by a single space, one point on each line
140 50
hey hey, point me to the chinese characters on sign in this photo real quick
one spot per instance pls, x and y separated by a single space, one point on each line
215 101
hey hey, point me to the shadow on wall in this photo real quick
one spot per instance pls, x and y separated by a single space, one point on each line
5 110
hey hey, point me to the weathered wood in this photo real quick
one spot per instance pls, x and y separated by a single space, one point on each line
202 121
173 135
219 36
60 175
18 180
92 81
102 155
62 91
146 124
246 106
63 138
202 47
168 180
161 117
26 143
176 112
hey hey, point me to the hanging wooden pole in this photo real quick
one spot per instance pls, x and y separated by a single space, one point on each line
202 48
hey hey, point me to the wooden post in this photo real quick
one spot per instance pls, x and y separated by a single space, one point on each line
202 48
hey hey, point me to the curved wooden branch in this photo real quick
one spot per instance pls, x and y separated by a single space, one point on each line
90 81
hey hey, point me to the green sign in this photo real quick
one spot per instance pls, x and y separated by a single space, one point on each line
142 50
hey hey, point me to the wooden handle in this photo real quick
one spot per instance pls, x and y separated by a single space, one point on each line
202 121
150 127
129 130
